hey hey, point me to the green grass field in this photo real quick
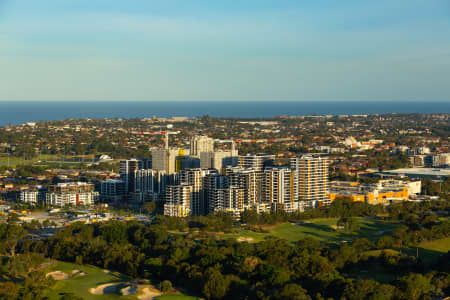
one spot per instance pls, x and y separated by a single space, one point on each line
43 159
321 229
80 285
442 245
430 250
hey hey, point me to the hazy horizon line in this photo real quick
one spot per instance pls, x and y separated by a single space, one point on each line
264 100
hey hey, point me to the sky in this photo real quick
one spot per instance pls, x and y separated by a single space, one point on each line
211 50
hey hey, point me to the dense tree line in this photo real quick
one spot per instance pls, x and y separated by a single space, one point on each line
271 269
216 269
224 269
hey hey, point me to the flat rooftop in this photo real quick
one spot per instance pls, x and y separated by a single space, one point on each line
424 172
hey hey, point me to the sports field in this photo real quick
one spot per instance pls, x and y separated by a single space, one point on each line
43 159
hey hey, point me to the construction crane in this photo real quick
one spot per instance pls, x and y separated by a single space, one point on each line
277 140
165 133
233 143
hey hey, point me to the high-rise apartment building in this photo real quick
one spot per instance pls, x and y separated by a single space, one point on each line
201 143
112 190
249 180
280 188
127 168
229 199
194 178
149 185
211 183
178 200
165 160
312 175
218 159
256 162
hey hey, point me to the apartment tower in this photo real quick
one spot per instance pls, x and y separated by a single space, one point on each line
311 171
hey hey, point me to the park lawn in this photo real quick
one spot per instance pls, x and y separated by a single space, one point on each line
176 297
80 285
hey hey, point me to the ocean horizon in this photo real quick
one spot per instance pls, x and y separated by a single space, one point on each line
18 112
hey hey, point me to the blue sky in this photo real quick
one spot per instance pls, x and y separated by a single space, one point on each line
292 50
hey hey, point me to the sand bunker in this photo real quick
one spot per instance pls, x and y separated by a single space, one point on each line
244 239
144 291
107 288
78 273
148 293
57 275
129 290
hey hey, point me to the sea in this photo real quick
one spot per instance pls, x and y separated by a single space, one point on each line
18 112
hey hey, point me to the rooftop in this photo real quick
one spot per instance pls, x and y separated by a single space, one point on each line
419 172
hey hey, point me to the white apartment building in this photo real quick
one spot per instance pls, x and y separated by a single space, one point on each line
250 181
312 175
201 143
74 193
178 200
32 196
280 187
194 178
229 199
256 162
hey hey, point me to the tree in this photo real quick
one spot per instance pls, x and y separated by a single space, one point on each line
385 242
70 296
46 223
292 291
10 235
414 286
216 284
348 224
165 286
149 207
13 219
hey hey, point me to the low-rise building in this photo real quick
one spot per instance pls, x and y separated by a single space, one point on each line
383 192
71 193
